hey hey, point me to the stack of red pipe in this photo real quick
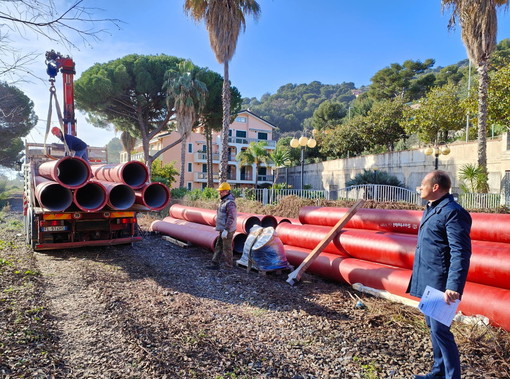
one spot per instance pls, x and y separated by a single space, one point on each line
377 247
60 184
184 223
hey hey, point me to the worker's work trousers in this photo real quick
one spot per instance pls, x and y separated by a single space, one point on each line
224 247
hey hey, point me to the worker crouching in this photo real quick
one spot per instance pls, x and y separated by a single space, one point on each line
226 222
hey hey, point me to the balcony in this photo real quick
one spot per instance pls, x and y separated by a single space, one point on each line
202 177
246 141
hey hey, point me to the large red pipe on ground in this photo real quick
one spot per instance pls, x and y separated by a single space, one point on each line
490 261
480 299
133 173
486 226
245 221
91 197
51 195
192 214
70 172
154 195
198 234
267 220
119 196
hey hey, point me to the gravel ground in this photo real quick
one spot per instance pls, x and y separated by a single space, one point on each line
152 310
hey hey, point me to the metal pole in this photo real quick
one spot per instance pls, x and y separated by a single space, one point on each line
436 164
302 166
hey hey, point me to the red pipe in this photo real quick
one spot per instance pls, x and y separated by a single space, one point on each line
288 220
267 220
200 235
239 240
91 197
133 173
198 215
245 221
119 196
486 226
70 172
480 299
51 195
490 261
154 195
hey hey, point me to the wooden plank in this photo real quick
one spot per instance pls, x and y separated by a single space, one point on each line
176 242
295 275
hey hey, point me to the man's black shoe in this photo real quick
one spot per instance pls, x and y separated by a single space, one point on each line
213 267
430 376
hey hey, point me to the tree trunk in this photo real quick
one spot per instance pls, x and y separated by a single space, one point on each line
183 162
256 176
226 124
209 157
483 75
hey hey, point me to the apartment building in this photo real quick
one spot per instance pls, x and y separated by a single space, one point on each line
246 128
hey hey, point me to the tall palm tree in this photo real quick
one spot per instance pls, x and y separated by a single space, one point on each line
479 23
189 95
224 20
128 143
255 154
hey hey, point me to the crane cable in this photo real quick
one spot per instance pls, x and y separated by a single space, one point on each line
60 120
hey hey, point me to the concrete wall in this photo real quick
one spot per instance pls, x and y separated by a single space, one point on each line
408 166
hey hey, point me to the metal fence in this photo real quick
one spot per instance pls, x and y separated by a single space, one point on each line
374 192
380 192
480 200
273 196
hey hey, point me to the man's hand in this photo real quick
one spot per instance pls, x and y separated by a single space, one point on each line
224 234
450 296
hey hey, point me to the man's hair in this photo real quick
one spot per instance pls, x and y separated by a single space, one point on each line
442 179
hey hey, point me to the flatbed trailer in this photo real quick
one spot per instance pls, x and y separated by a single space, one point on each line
72 227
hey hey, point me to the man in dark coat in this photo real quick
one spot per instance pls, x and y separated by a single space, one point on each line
441 261
73 143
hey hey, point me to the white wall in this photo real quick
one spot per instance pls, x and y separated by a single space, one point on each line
408 166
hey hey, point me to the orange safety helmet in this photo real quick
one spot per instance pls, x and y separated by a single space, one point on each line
55 131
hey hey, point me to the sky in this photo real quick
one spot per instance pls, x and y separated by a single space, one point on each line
293 41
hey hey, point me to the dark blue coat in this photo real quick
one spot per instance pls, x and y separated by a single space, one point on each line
443 252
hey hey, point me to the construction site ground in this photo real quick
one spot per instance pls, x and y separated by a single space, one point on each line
153 310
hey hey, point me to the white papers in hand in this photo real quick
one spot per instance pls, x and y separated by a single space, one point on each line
432 304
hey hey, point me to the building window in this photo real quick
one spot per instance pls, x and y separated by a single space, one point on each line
190 167
262 136
241 119
204 167
241 133
189 185
204 185
190 147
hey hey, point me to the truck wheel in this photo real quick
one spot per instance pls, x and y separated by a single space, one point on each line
29 228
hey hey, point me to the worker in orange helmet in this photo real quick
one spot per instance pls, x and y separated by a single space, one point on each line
76 145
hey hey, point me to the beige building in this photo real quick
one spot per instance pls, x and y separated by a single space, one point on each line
246 128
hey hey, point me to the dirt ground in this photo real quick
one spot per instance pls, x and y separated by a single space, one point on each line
152 310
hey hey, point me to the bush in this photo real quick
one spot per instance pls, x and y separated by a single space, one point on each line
178 193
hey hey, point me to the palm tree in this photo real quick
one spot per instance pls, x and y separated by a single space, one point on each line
279 157
255 154
479 23
189 95
224 20
128 143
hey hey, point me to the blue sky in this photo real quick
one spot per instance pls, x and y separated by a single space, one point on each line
294 41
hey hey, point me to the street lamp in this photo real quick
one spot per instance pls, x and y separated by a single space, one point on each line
437 151
303 142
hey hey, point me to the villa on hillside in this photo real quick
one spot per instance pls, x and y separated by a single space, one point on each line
246 128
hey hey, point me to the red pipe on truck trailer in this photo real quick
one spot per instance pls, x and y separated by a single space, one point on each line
91 197
154 196
133 173
70 172
52 195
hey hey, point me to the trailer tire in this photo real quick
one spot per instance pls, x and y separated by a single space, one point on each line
29 227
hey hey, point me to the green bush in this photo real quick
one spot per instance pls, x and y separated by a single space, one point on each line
178 193
374 177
